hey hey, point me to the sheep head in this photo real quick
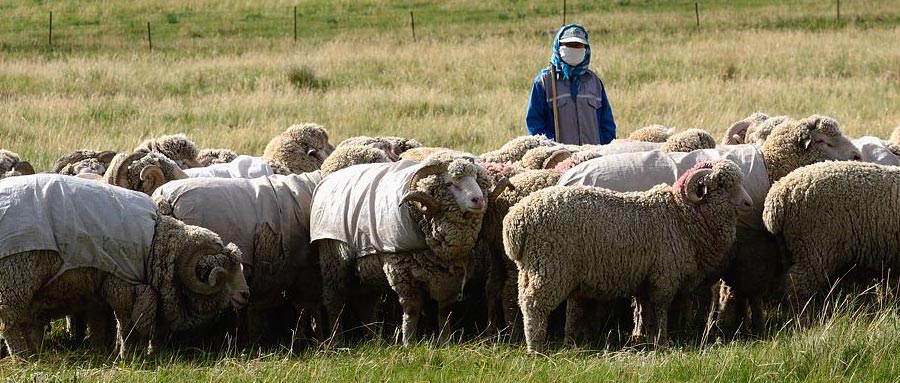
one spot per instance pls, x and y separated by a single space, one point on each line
688 141
348 155
299 149
714 179
208 157
449 199
736 134
144 172
176 147
544 157
83 162
652 133
794 144
11 165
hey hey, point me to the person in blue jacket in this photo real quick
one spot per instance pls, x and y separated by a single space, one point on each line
585 116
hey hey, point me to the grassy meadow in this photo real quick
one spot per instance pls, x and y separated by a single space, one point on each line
230 74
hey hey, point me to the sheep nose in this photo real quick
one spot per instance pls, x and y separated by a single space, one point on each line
857 157
477 203
246 295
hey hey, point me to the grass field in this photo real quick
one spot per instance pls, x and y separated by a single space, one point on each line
230 74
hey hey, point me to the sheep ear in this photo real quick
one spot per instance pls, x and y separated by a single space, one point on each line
737 139
555 158
311 152
499 187
807 142
154 177
24 167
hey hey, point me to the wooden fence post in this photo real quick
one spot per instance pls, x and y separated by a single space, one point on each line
412 25
295 23
697 14
149 37
50 33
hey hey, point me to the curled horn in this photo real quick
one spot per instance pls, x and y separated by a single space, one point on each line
558 156
695 188
425 171
120 169
431 205
499 187
187 266
24 167
737 132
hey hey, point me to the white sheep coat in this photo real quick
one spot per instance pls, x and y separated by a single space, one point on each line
89 223
240 167
619 147
236 209
641 171
874 150
360 206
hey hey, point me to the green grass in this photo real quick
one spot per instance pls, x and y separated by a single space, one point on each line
229 74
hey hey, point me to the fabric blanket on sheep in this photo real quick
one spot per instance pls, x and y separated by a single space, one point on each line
874 150
619 147
641 171
360 206
237 208
89 223
241 167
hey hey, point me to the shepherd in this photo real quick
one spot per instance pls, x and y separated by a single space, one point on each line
576 109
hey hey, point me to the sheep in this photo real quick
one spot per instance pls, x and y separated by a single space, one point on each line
300 149
420 153
143 172
515 149
82 247
240 167
394 147
875 150
736 134
751 262
267 218
688 141
403 226
208 157
651 133
349 155
758 132
176 147
830 217
544 157
695 225
83 162
11 165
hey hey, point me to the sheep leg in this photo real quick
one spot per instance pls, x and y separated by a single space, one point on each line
493 290
76 326
575 324
18 341
511 312
444 322
334 286
757 316
103 329
411 302
135 310
659 306
537 301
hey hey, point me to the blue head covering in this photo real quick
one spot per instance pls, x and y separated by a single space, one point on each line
571 73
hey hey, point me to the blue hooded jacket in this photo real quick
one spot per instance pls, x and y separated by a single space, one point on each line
539 116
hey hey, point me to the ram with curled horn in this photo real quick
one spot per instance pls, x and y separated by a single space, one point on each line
120 257
143 172
404 225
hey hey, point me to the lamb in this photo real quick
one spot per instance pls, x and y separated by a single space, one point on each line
695 225
11 165
154 272
688 141
176 147
736 134
83 162
830 217
349 155
751 267
268 219
208 157
403 226
143 172
652 133
300 149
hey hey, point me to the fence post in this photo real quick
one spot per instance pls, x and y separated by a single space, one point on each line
149 37
839 10
50 34
564 12
295 23
412 25
697 14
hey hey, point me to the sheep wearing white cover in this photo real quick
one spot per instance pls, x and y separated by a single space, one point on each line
566 249
268 219
300 149
82 247
349 155
752 268
515 149
688 141
176 147
11 165
403 226
143 172
830 217
736 134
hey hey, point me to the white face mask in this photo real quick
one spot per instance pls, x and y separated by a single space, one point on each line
572 56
